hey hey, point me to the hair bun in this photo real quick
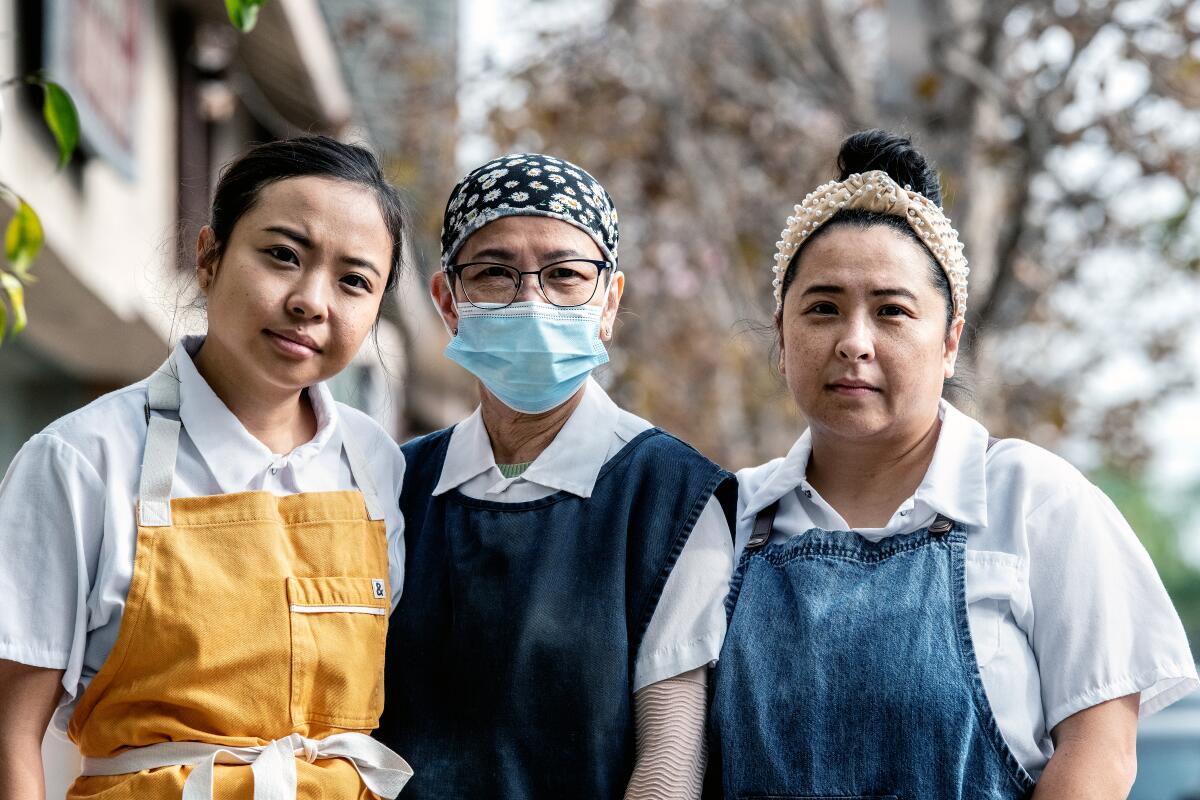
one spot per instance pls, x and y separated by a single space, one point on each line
895 155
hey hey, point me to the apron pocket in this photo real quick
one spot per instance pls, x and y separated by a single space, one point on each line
339 630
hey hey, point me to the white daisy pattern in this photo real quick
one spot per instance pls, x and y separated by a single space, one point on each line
529 184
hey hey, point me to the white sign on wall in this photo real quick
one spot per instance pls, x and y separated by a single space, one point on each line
94 49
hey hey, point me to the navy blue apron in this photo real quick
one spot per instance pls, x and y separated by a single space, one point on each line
848 672
510 656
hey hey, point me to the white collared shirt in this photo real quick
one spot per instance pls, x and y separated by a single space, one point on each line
688 624
67 528
1065 608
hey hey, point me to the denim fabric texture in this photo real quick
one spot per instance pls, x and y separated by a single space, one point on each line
848 672
510 656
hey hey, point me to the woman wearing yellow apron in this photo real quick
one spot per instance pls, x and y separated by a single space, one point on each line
205 561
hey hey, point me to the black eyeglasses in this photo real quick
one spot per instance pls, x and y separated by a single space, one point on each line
566 283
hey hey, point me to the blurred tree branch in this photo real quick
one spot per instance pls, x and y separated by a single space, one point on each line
709 120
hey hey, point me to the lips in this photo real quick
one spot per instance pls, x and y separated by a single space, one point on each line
295 338
852 386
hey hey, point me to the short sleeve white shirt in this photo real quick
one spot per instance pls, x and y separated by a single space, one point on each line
688 624
1065 608
67 525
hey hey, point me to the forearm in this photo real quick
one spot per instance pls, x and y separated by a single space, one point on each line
21 775
1095 754
27 699
670 738
1079 771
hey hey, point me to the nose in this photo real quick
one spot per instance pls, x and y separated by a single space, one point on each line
309 297
856 342
528 289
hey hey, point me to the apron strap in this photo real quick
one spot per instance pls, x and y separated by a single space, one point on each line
162 446
362 476
764 524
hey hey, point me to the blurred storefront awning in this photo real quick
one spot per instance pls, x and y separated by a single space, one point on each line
291 58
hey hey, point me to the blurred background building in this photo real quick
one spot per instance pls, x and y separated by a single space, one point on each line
168 91
1067 134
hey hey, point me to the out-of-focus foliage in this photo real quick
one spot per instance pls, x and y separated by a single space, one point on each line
23 237
1159 532
61 118
1067 135
244 13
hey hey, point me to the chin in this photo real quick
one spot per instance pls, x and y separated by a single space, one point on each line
848 423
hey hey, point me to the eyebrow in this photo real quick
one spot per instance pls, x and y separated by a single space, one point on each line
832 289
305 242
504 254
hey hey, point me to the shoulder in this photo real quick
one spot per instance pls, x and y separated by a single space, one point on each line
654 445
1022 474
377 446
420 446
111 429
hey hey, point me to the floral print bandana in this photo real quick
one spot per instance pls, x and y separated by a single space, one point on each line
529 185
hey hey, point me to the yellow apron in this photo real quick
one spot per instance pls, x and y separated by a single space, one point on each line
250 652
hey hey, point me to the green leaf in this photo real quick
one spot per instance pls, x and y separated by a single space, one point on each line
23 239
243 13
16 298
59 112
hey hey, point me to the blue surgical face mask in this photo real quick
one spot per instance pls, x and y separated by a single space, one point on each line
530 355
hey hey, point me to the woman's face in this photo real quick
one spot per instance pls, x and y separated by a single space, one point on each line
529 243
299 284
864 345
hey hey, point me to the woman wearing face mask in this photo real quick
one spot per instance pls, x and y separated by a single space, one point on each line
564 556
917 610
204 561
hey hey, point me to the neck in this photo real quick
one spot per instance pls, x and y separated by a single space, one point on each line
281 420
518 438
867 480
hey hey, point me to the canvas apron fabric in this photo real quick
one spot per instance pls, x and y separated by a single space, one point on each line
249 661
848 671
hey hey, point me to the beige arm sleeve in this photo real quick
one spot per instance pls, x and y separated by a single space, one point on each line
671 750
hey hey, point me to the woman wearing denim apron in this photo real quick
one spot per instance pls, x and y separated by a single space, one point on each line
917 610
197 569
567 561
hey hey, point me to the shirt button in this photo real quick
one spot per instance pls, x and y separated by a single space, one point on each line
808 493
274 470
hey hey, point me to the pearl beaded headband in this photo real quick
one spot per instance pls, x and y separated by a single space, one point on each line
876 191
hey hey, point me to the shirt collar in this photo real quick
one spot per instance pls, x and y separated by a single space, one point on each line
232 454
571 462
955 485
788 475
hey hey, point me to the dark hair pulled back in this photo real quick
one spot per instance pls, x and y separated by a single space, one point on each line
894 154
243 180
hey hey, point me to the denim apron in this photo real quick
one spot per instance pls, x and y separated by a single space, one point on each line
848 672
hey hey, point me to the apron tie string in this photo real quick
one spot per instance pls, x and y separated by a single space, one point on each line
273 765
